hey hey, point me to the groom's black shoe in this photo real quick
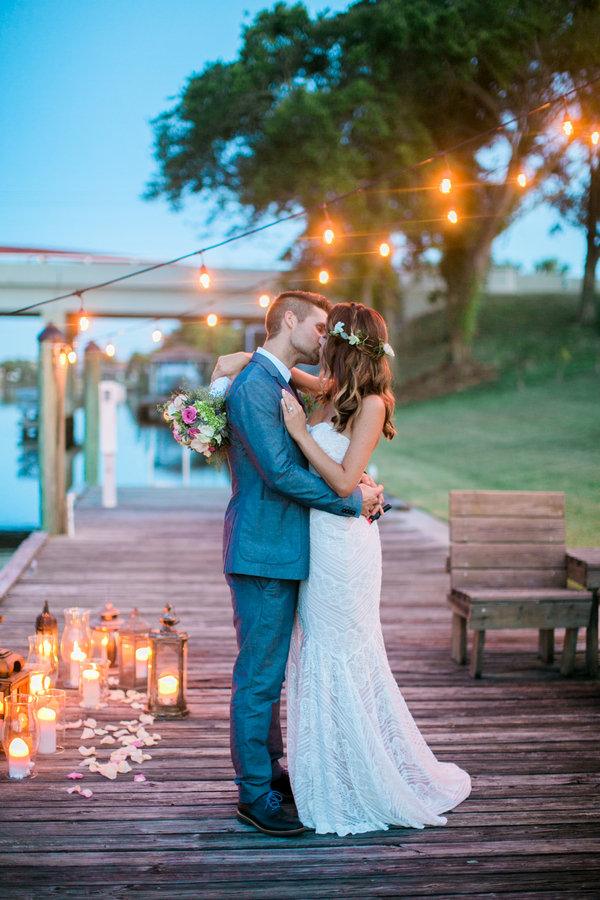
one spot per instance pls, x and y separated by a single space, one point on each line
266 814
283 786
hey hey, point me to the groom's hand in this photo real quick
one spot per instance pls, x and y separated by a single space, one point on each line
372 496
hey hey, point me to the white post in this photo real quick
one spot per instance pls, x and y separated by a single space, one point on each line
110 394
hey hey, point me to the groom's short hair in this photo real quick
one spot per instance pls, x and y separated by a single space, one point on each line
299 302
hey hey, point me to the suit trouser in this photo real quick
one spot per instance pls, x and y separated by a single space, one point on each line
263 615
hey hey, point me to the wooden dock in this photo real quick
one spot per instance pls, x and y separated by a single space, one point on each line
529 738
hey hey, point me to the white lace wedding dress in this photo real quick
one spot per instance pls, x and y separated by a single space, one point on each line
357 760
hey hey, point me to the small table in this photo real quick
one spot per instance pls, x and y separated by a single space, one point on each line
583 567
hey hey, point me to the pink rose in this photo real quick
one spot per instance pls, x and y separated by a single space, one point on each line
192 432
176 435
189 414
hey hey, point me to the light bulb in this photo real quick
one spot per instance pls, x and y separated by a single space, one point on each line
110 350
264 300
212 320
567 125
72 357
323 276
445 186
328 235
522 179
157 335
384 249
204 277
453 216
594 137
84 322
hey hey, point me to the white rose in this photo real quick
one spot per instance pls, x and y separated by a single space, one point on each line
179 401
172 409
207 431
199 445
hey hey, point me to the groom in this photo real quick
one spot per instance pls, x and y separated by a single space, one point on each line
266 548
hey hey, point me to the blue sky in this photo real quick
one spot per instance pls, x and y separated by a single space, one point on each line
81 81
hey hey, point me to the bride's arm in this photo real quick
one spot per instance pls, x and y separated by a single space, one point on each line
230 365
366 431
306 381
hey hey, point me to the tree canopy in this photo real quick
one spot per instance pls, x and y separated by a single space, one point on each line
313 108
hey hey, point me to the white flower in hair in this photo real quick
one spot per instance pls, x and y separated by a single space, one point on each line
388 350
338 328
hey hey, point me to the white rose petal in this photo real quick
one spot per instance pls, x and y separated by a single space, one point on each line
87 751
87 733
108 740
90 723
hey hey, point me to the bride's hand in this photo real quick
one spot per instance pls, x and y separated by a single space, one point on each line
230 365
294 418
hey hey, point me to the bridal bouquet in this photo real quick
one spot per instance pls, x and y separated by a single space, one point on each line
199 422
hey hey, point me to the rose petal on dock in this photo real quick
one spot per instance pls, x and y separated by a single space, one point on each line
87 751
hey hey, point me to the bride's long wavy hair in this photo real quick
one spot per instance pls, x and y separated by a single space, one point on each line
352 371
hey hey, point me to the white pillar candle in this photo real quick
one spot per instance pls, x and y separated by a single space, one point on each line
47 723
90 687
141 662
168 688
38 682
77 657
19 762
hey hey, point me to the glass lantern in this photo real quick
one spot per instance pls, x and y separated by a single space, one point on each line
14 680
75 642
93 683
51 714
20 735
46 625
167 669
39 664
105 633
134 652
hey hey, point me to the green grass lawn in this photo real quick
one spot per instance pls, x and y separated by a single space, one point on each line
536 428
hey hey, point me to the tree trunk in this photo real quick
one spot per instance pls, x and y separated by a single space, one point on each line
588 314
464 270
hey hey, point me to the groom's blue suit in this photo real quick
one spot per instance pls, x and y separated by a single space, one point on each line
266 554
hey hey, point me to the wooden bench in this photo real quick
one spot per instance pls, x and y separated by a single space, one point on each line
507 569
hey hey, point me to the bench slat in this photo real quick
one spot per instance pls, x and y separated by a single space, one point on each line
507 556
507 503
509 578
522 613
508 529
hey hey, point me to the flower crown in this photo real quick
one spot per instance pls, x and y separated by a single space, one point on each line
362 341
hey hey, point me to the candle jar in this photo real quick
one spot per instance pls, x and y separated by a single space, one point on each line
167 669
46 625
20 735
134 652
93 683
51 714
105 634
39 663
75 643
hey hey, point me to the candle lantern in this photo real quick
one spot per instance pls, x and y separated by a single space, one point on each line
51 713
134 652
46 625
105 633
20 735
167 669
75 642
14 679
39 665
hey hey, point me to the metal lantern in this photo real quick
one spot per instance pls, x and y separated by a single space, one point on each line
105 633
167 669
134 652
46 625
13 680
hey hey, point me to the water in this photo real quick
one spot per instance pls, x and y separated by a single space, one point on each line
147 455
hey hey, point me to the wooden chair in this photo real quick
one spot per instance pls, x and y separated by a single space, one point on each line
507 569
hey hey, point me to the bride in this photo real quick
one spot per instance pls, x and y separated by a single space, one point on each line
357 760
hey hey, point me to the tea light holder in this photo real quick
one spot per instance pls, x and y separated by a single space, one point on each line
20 735
75 643
39 664
134 652
167 669
105 634
51 713
93 683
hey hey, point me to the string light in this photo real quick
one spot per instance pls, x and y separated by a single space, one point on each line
110 350
445 185
594 137
83 322
264 300
329 233
62 358
453 216
157 335
567 125
72 357
212 320
522 179
384 249
323 276
204 278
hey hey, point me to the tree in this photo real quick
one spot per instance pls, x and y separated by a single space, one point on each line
312 109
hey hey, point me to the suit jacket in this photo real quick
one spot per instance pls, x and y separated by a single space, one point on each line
266 529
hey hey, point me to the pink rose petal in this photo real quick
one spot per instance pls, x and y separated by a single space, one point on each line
74 775
139 777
